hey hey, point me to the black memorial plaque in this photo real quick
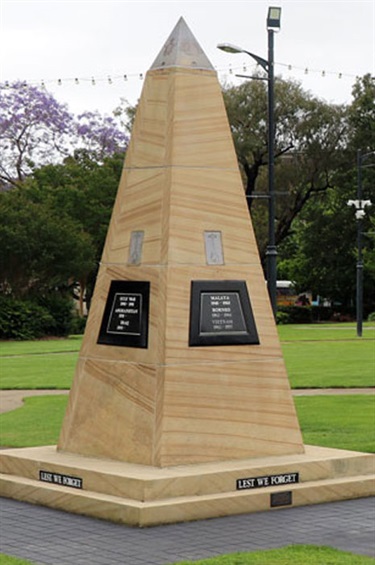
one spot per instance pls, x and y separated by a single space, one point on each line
125 319
221 314
284 498
59 479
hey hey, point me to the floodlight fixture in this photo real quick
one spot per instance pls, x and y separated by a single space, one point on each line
273 18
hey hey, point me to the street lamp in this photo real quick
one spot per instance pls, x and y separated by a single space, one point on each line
273 24
360 212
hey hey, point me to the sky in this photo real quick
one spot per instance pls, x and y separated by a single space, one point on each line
42 41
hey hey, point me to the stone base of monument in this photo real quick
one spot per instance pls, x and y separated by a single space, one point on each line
145 496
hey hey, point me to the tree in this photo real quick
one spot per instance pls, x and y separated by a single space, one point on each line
321 254
84 191
42 248
33 129
36 130
308 136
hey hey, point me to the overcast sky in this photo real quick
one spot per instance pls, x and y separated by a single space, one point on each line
67 39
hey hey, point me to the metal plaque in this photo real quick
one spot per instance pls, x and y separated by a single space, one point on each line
59 479
125 318
221 314
267 481
284 498
135 247
214 248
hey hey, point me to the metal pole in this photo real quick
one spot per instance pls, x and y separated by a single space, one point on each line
359 297
271 253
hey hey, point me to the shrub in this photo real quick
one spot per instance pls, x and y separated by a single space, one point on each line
61 309
371 317
78 325
45 315
23 319
282 318
296 314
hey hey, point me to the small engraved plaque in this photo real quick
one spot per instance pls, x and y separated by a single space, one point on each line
221 314
125 318
135 248
214 248
281 499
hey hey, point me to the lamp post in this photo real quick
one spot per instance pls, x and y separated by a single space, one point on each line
360 212
273 24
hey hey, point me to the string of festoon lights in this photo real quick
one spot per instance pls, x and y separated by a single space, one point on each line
115 78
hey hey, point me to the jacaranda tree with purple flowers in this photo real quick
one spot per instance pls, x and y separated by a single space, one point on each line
36 129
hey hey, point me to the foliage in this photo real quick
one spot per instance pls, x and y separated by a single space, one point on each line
290 555
344 422
321 251
308 137
296 314
35 130
282 317
42 248
49 315
371 317
23 319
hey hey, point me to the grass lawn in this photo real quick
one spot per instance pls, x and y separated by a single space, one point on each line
8 560
291 555
38 347
54 370
316 356
325 364
38 422
344 422
324 332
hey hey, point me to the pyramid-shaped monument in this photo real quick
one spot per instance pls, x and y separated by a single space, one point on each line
181 241
181 407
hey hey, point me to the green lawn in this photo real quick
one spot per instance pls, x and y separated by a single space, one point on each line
316 356
37 422
325 364
38 347
344 422
8 560
54 370
291 555
320 332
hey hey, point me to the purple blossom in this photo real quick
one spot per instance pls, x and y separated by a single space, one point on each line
35 128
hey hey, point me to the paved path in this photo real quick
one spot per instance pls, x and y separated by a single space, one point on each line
12 399
51 537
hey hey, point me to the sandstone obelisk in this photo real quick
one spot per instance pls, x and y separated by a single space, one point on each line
181 407
180 242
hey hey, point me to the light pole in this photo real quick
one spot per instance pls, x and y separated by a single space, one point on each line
273 24
360 212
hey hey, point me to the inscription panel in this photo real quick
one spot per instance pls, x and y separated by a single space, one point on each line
267 481
214 248
221 314
59 479
135 247
125 318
